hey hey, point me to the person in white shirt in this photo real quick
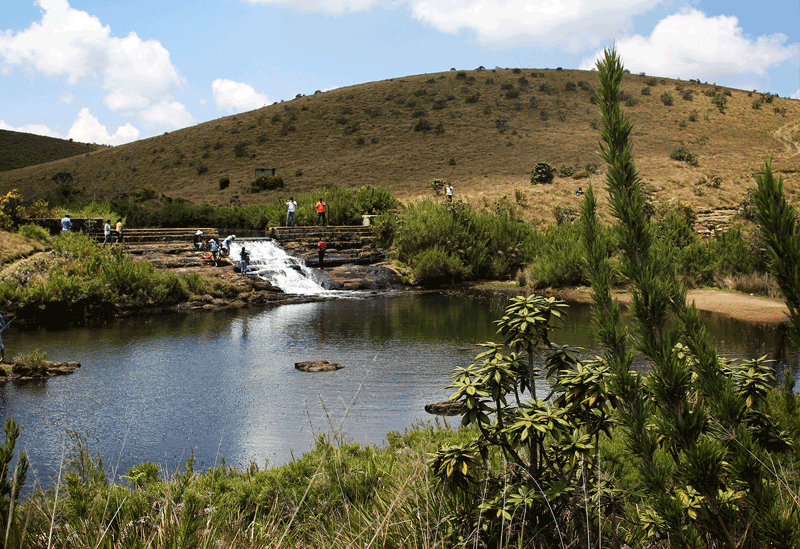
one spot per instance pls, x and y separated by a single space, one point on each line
291 206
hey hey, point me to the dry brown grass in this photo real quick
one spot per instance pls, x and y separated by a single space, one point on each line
14 246
365 135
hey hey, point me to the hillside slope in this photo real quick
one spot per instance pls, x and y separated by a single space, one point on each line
26 149
481 130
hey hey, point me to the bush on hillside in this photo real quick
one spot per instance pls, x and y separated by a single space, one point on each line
542 173
684 155
11 209
264 182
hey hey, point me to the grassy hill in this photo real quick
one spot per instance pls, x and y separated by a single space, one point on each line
26 149
481 130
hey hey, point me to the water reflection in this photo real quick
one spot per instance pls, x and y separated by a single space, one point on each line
224 383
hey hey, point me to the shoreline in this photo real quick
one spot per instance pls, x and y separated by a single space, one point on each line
739 306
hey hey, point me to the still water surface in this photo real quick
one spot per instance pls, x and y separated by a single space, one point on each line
224 383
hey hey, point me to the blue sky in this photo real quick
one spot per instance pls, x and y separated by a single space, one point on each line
110 71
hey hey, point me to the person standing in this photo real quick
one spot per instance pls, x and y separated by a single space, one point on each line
321 247
291 205
244 259
119 231
213 247
107 233
321 210
66 224
3 327
448 191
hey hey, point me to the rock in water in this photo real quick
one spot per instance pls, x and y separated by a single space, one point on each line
317 366
446 408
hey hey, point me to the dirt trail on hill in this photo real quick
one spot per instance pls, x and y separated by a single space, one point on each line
785 135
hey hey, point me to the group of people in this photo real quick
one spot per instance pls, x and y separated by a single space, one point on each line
107 232
66 226
320 206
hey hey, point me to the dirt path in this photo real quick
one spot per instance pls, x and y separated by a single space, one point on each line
732 304
784 134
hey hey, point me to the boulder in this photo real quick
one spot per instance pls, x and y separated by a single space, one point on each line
445 408
317 366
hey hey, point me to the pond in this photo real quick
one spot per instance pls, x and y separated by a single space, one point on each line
224 383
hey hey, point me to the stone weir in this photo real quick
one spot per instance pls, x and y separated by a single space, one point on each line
353 245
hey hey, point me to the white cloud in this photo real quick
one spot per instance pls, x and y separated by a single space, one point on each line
88 129
168 114
137 75
691 45
796 95
233 96
573 23
67 98
38 129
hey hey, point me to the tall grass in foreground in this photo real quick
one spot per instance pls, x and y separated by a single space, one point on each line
335 495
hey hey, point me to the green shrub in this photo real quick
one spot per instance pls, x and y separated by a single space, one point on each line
34 232
224 183
264 182
437 185
240 149
435 266
11 209
542 173
667 99
645 91
565 171
422 125
684 155
720 101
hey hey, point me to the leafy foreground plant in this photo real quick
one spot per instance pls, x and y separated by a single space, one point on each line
699 448
698 439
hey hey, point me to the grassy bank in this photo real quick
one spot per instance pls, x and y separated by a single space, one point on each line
80 282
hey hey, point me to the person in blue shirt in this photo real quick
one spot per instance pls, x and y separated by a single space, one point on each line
213 247
66 224
3 327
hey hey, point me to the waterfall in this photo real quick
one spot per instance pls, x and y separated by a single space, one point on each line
271 263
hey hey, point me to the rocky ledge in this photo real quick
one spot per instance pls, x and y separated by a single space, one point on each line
23 372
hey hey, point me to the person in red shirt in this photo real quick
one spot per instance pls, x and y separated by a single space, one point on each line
321 212
321 246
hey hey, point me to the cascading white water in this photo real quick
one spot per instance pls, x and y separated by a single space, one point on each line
271 262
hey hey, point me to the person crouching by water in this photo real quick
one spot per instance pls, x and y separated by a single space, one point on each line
321 247
197 240
226 245
244 259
